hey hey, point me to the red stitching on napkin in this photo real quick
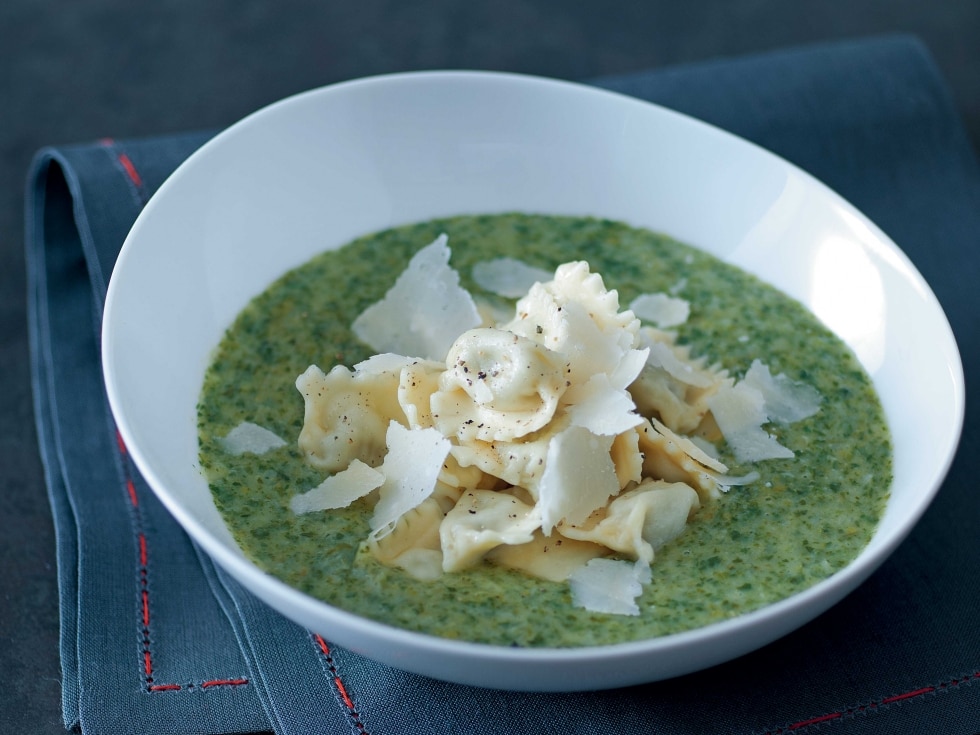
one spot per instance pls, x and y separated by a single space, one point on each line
131 489
144 593
146 606
814 721
908 695
128 168
876 705
136 181
223 683
164 687
339 684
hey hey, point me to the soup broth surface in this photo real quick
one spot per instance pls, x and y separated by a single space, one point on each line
802 520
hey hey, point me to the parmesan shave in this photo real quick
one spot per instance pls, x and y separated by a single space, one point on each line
411 469
424 311
249 437
663 310
609 586
508 277
340 490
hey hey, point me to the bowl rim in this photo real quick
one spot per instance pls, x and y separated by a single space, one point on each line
818 597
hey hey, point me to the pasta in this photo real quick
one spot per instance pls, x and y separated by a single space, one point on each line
565 430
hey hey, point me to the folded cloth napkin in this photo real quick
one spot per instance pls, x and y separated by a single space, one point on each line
157 640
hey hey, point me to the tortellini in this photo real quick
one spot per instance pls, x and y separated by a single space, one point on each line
497 386
639 521
414 543
575 315
482 520
551 441
347 415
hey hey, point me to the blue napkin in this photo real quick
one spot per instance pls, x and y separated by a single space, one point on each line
155 639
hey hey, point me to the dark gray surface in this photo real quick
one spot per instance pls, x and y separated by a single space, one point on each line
79 71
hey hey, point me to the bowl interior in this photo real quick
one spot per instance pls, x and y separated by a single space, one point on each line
316 170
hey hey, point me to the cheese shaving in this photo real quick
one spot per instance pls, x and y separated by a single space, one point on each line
579 477
786 401
603 409
662 356
250 438
740 413
411 469
340 490
387 362
609 586
424 312
508 277
663 310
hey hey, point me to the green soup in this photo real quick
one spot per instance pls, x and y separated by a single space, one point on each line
801 521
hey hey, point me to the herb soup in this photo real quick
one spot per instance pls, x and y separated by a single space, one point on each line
802 520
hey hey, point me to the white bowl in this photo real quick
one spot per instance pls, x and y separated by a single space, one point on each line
318 169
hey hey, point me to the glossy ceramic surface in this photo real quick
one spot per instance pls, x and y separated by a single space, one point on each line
316 170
